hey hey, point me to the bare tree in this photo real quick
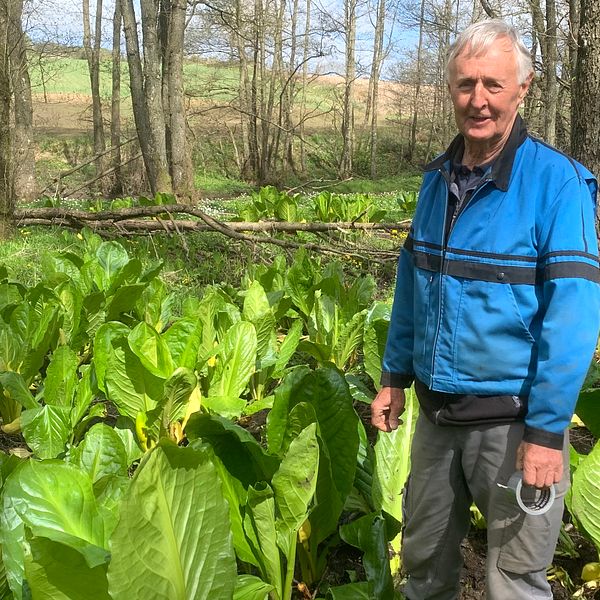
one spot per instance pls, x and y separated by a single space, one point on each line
92 53
7 192
550 73
350 17
178 149
144 92
115 112
586 93
22 141
417 88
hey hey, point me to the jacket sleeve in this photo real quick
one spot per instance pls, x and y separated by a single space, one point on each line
397 368
570 301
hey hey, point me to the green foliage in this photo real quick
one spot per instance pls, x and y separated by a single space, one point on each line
356 208
174 517
269 203
585 495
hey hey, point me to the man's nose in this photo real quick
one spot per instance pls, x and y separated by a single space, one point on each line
478 97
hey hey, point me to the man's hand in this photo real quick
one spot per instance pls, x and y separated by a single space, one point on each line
387 406
541 466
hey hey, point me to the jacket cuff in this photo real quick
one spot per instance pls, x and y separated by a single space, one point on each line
541 437
396 380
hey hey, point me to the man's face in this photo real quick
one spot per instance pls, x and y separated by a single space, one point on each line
486 93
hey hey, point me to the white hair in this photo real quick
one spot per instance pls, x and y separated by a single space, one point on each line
480 36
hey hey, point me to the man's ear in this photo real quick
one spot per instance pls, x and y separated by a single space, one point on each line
525 86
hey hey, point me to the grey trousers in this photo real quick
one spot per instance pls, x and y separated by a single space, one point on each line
450 468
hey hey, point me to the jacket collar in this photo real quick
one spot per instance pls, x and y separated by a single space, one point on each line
502 167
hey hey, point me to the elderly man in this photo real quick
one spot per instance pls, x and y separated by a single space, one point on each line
495 319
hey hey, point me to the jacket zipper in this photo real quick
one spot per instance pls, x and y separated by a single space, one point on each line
460 209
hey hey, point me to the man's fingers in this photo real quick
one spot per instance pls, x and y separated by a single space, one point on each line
386 408
379 418
541 466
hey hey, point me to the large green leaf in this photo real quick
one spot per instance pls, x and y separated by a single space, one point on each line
236 360
155 305
125 430
5 592
124 300
12 541
359 296
260 526
287 348
43 334
177 392
248 587
61 377
587 410
14 385
173 539
183 341
241 454
277 419
103 349
300 283
84 395
55 571
256 303
151 349
129 384
71 300
257 310
351 591
375 335
127 274
349 340
55 500
235 494
101 453
111 257
294 484
365 464
392 461
369 533
586 494
327 390
46 429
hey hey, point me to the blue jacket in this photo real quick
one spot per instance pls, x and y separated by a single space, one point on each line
510 302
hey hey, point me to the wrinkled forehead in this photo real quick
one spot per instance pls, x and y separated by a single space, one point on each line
500 46
498 57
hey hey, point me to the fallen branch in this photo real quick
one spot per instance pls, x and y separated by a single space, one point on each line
47 215
152 219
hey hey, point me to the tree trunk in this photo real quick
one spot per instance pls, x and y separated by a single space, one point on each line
305 52
7 195
153 88
289 94
345 168
415 116
179 151
154 161
550 73
115 106
22 143
586 93
374 82
573 50
92 53
271 135
244 91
